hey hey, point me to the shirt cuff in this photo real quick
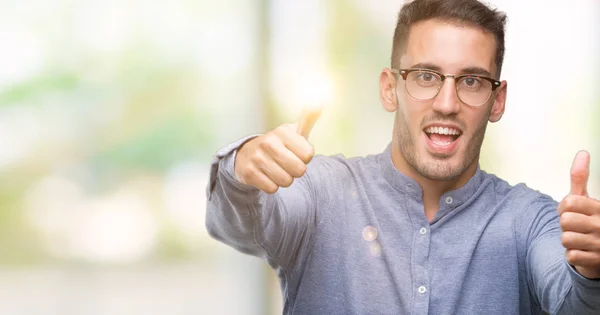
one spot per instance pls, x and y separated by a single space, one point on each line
224 163
581 280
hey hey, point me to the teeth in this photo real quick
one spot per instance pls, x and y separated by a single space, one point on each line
442 131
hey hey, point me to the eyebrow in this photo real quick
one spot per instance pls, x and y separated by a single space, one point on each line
476 70
468 70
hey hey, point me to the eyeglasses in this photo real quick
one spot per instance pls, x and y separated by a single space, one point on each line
424 84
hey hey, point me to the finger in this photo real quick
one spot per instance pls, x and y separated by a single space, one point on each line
301 149
258 179
580 241
297 144
580 172
582 258
286 159
307 120
579 204
274 172
580 223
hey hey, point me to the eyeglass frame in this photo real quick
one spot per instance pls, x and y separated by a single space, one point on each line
405 72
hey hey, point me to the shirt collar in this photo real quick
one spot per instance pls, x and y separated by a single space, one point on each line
407 185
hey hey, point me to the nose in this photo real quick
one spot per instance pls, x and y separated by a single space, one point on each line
447 102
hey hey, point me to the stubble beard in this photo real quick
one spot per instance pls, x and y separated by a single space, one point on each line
434 167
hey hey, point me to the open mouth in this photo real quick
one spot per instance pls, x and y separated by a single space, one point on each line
442 136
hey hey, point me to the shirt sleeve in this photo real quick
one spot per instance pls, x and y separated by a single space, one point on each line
276 227
556 285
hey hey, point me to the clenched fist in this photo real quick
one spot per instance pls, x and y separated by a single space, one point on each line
274 159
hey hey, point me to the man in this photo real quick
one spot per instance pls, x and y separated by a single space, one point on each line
419 228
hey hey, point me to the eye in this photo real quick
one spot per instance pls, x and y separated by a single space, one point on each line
426 79
471 83
426 76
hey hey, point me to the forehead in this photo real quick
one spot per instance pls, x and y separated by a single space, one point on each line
451 47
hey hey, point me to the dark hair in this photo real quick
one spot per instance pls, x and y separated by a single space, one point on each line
463 12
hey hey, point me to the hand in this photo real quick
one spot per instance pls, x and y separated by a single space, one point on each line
580 221
274 159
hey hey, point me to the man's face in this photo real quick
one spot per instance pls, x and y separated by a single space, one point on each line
448 49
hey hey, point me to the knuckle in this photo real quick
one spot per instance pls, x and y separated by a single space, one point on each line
307 155
251 176
255 160
595 222
269 142
578 176
282 178
564 239
565 220
567 202
247 173
287 181
596 245
311 151
270 188
572 257
570 202
301 169
297 169
258 159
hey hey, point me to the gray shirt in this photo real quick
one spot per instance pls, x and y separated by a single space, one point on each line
351 237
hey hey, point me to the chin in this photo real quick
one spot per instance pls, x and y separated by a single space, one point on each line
441 167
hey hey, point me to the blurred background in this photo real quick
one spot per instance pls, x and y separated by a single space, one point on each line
110 112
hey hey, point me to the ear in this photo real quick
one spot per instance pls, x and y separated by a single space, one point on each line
499 102
387 90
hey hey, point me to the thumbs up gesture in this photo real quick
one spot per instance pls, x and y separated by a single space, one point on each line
580 221
274 159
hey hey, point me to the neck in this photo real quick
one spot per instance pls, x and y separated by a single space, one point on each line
432 189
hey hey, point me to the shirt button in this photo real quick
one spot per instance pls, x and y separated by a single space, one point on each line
449 200
422 289
423 230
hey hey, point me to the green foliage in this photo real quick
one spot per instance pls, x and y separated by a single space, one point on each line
39 86
157 148
134 114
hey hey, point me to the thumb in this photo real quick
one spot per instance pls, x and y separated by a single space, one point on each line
580 172
307 120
